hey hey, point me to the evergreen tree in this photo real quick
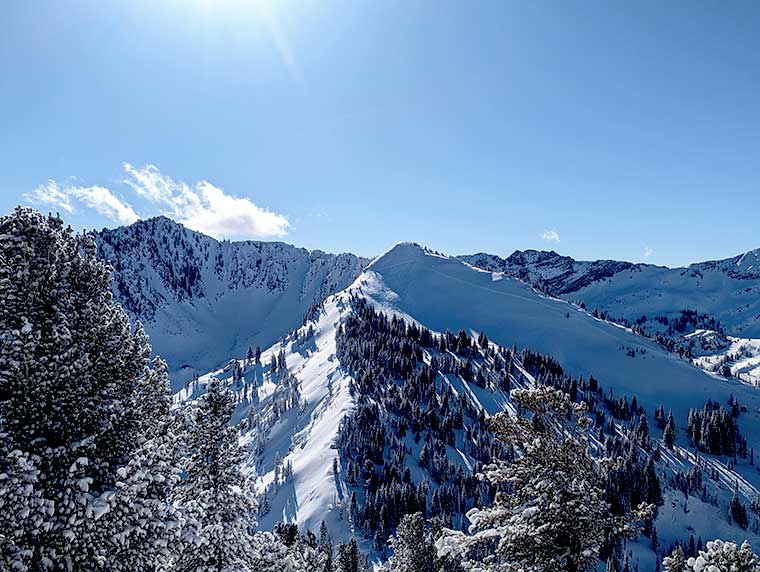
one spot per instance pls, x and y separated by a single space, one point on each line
23 511
214 490
269 553
738 512
669 433
413 549
350 558
676 562
719 556
80 402
143 524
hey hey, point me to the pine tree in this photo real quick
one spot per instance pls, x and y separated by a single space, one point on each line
143 524
669 433
269 554
80 402
23 511
413 549
350 558
214 490
676 562
738 512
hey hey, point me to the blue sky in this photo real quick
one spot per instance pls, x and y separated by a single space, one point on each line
626 130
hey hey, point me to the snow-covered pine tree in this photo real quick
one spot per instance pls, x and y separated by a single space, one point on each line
270 554
23 511
78 394
718 556
143 524
215 491
413 548
554 517
676 562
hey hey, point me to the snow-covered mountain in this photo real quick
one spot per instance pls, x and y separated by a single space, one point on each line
323 397
726 290
202 300
443 293
320 403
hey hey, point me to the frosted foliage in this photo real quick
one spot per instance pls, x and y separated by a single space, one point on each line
718 556
81 483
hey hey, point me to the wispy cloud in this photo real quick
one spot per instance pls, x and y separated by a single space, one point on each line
99 199
205 207
648 252
50 195
322 215
104 202
201 206
550 235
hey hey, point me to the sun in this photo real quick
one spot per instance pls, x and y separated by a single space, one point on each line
245 14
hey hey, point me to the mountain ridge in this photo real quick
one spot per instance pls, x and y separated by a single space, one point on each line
727 290
199 298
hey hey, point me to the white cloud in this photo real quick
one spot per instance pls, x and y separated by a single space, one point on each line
205 207
100 199
104 202
49 194
648 252
550 235
202 206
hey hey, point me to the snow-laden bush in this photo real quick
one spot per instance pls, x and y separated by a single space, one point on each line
718 556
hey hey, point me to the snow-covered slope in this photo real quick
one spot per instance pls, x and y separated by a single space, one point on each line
281 433
739 357
728 290
548 270
202 300
291 417
445 293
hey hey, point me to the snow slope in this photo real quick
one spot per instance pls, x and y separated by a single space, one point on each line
202 300
303 435
728 290
741 355
446 293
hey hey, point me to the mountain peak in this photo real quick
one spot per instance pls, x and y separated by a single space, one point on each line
401 253
749 262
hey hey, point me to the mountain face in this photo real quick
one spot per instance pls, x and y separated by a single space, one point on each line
726 290
201 300
375 407
551 272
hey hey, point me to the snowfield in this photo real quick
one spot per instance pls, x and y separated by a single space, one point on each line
301 436
741 355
